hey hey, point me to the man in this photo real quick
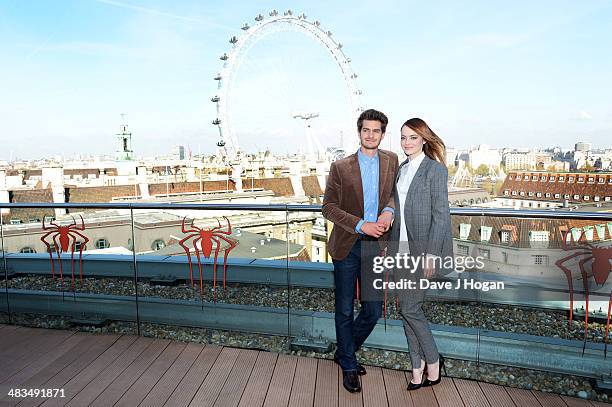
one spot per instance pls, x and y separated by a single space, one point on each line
359 202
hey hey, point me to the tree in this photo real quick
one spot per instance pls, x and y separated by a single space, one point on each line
482 170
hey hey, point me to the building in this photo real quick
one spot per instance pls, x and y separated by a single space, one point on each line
582 146
534 189
525 247
484 155
520 160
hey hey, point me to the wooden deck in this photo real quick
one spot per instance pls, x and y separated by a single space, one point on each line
107 370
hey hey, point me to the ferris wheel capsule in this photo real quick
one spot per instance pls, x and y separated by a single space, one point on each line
215 99
216 122
218 77
259 17
233 40
317 23
245 26
273 13
288 13
223 57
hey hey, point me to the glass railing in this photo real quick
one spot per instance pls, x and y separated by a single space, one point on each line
515 314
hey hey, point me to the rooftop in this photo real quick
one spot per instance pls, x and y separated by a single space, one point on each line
113 369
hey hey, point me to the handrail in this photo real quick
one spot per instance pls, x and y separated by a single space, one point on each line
517 213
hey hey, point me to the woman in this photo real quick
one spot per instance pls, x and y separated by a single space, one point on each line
422 227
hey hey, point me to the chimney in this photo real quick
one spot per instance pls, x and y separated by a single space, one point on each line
4 195
143 183
53 177
237 177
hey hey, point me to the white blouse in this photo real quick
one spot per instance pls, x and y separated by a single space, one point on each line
407 173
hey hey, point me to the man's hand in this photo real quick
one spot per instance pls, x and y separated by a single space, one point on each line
385 219
373 229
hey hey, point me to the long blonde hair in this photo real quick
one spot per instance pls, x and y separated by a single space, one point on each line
434 147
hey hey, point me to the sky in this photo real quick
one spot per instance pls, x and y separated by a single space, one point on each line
517 74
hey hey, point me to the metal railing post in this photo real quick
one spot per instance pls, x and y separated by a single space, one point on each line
8 304
135 263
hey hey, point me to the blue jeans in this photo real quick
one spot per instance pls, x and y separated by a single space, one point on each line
351 334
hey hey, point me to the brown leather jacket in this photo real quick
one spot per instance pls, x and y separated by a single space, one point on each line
343 200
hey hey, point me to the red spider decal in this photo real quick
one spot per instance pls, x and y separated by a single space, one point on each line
203 240
62 236
600 270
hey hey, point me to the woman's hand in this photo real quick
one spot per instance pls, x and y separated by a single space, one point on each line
429 268
385 219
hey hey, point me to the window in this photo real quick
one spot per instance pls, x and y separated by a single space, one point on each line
586 197
522 193
530 193
463 250
601 231
505 236
540 260
484 253
570 179
576 196
16 222
547 195
539 194
485 233
158 244
27 250
526 178
78 246
601 180
576 234
591 180
610 181
34 220
607 199
539 238
543 178
505 257
566 196
517 178
596 198
49 219
534 177
513 193
557 196
561 178
580 179
51 248
464 230
588 233
552 179
506 192
102 244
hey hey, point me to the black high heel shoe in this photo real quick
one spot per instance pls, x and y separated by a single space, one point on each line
441 366
415 386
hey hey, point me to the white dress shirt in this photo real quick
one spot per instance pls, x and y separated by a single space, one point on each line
407 173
